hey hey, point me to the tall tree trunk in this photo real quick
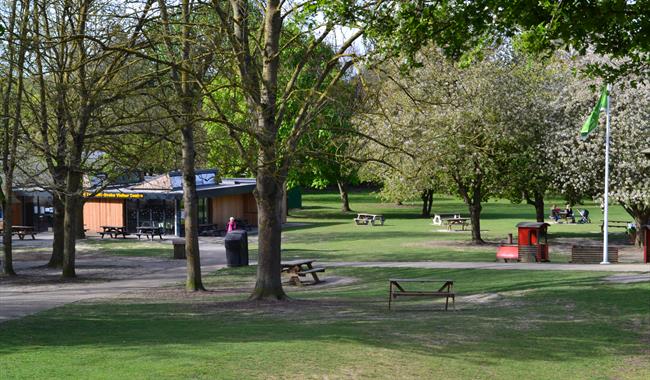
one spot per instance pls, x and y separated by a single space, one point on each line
190 200
7 263
56 260
538 203
473 202
9 157
472 195
539 207
641 219
427 202
475 216
70 222
270 179
343 192
268 194
79 227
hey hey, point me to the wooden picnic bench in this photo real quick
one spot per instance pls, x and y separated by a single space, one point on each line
581 254
149 232
301 268
210 229
369 219
396 289
113 231
462 222
22 231
438 218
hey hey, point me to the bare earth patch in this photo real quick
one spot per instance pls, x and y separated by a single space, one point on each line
628 278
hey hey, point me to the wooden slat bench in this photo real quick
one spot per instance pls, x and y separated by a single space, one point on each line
396 289
592 254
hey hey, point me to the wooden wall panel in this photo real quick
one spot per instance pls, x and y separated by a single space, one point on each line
103 212
225 207
250 209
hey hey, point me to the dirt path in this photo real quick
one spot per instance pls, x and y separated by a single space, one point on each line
104 276
643 268
98 276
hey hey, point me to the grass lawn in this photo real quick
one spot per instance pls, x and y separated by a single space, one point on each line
326 233
509 324
130 247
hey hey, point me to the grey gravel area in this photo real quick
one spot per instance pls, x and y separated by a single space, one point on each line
39 288
103 276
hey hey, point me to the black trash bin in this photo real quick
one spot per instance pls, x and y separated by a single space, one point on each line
236 243
179 248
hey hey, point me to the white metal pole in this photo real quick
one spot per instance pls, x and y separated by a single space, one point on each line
606 195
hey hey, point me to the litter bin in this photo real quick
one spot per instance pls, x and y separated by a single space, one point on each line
236 243
179 248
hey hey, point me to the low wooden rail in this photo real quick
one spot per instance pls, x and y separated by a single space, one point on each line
592 254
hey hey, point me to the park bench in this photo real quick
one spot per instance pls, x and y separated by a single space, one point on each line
581 254
615 224
439 218
396 289
369 219
301 268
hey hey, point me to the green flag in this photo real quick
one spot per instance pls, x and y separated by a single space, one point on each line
592 121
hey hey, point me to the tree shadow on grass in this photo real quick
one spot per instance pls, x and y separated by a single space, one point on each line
362 233
525 332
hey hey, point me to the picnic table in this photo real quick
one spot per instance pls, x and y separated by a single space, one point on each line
439 218
113 231
22 231
300 268
446 290
149 232
462 222
369 219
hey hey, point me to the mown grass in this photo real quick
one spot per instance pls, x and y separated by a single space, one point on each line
128 247
326 233
509 324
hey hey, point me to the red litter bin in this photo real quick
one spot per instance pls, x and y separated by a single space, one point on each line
532 241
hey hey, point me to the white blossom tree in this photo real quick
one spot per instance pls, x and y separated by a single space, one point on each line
580 164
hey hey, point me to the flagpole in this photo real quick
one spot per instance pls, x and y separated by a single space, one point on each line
606 196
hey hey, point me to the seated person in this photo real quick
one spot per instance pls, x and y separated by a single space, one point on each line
555 213
569 213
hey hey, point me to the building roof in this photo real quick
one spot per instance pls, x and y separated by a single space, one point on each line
163 187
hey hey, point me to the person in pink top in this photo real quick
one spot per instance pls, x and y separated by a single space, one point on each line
231 224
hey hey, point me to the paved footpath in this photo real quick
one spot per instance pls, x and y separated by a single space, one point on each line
493 265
